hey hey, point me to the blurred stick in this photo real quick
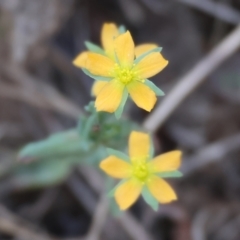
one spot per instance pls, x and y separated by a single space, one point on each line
82 193
212 153
35 92
198 230
64 64
128 223
218 10
17 227
99 219
38 209
86 196
155 6
188 83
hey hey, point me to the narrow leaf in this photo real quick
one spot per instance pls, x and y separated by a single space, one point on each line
100 78
139 58
59 144
94 48
122 29
112 192
118 154
114 208
172 174
157 90
149 199
151 152
119 111
88 126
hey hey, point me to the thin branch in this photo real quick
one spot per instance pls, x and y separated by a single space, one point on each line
128 223
212 153
35 92
133 228
99 219
82 193
218 10
199 225
17 227
156 7
188 83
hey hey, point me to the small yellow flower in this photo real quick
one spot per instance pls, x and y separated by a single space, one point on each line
141 172
139 50
124 69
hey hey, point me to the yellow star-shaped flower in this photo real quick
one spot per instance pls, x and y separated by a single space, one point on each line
142 172
124 70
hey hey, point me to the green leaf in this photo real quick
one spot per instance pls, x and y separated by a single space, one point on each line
109 183
114 208
157 90
90 108
149 199
139 58
119 111
94 155
94 48
87 128
99 78
151 152
172 174
118 154
122 29
43 173
112 192
57 145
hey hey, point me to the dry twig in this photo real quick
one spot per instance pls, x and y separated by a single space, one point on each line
35 92
14 226
218 10
188 83
129 224
212 153
99 219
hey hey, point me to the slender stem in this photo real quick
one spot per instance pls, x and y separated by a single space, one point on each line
188 83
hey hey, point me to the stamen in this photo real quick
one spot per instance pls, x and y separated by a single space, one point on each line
124 75
141 171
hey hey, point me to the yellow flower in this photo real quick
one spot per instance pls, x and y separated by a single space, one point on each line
142 172
124 69
139 50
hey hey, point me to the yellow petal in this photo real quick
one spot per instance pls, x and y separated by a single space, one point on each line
139 145
116 167
99 65
143 48
151 65
142 95
97 87
108 34
124 48
128 193
110 96
161 190
167 162
80 60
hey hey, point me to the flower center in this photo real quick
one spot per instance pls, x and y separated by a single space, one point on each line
141 171
124 74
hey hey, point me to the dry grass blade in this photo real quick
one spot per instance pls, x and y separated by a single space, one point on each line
218 10
188 83
14 226
128 223
212 153
35 92
99 219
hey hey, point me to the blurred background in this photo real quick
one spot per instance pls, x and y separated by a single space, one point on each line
41 93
